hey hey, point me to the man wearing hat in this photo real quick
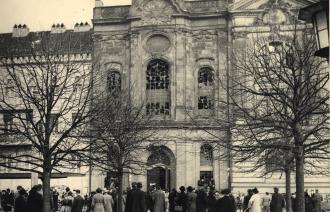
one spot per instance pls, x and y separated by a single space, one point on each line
277 203
226 203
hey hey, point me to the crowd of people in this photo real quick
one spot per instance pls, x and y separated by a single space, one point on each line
21 200
253 202
203 199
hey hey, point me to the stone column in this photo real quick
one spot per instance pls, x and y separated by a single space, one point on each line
179 71
34 179
181 164
137 74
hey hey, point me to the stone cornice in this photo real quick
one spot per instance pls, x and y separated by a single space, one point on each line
246 12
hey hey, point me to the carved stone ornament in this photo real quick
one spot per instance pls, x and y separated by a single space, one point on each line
158 44
204 35
156 12
274 16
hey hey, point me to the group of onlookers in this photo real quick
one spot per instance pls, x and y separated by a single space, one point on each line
253 202
203 199
21 200
185 200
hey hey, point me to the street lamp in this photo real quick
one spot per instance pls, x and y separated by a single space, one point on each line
318 14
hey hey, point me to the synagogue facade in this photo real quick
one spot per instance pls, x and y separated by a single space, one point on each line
174 56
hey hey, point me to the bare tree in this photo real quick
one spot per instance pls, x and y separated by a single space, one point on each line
281 104
44 99
121 131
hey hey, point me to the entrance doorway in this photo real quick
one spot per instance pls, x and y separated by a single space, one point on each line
161 168
159 176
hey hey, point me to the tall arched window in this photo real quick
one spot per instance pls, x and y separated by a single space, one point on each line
114 81
206 165
206 155
158 92
205 91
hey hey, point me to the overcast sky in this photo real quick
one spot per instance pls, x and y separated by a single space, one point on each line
41 14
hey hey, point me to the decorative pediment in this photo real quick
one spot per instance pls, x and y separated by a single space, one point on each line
156 12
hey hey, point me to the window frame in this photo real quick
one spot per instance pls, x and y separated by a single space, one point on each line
112 81
158 93
206 92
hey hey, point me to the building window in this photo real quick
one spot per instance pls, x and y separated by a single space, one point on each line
8 120
205 92
53 122
77 81
206 155
205 77
158 92
114 81
204 102
34 91
9 87
206 179
76 117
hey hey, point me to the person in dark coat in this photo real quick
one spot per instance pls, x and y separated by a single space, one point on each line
211 201
34 202
137 200
55 199
150 202
89 201
171 200
309 206
201 200
226 203
247 199
78 203
6 201
191 200
317 199
277 202
20 201
293 202
182 199
128 205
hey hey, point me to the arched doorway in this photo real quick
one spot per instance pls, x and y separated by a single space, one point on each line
161 168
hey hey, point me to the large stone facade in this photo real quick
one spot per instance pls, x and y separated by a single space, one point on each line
189 36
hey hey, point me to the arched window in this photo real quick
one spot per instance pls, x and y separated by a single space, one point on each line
206 166
114 81
205 91
157 83
206 155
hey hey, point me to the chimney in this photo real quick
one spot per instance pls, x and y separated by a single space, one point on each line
20 30
98 3
58 28
82 27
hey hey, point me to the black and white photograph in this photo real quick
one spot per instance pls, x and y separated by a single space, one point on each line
164 106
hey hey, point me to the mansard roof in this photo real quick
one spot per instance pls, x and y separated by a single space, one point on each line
45 42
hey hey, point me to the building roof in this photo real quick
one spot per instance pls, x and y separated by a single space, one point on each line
45 42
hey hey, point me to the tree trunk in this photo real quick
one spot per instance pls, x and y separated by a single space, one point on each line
120 191
300 196
46 190
288 204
